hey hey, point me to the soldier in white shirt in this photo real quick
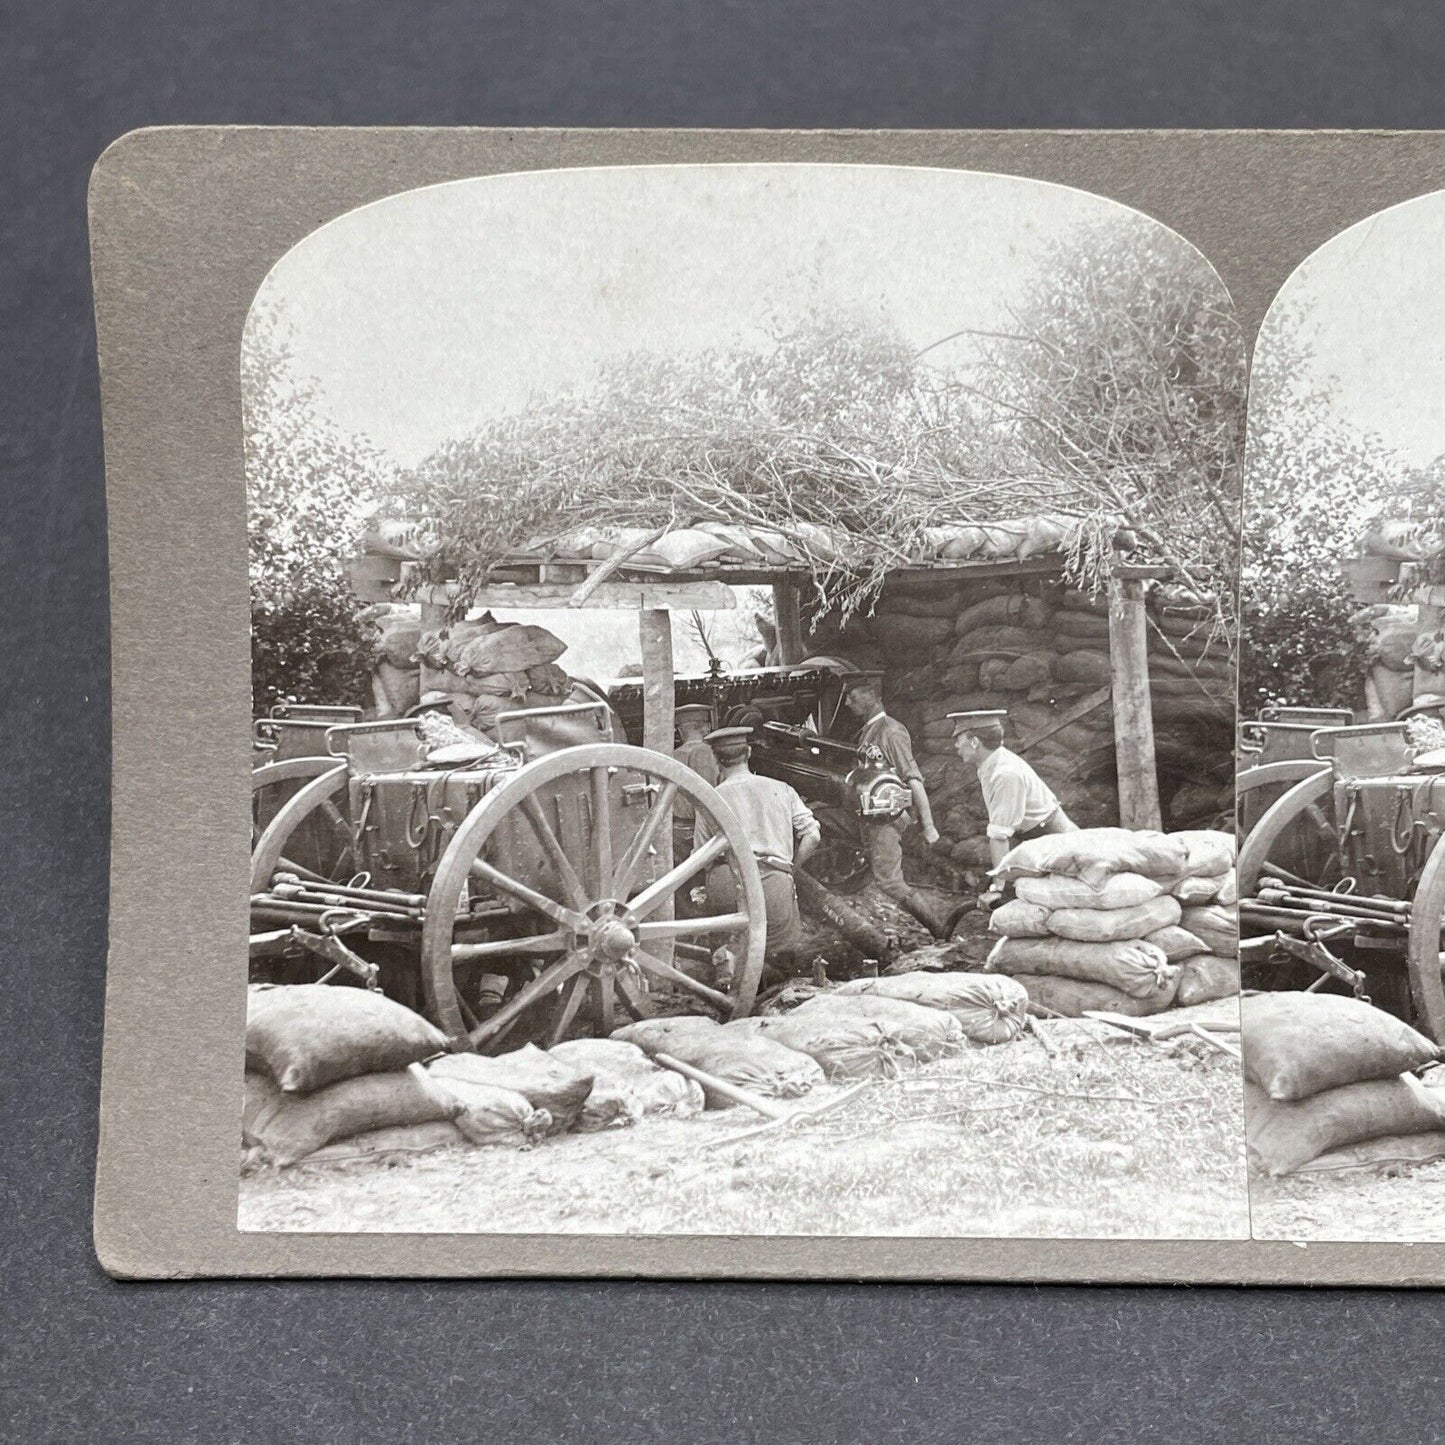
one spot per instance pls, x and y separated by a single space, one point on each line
1020 804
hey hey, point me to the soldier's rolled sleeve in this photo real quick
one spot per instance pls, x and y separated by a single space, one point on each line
897 748
805 825
1007 801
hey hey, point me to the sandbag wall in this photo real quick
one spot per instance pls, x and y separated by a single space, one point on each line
1041 650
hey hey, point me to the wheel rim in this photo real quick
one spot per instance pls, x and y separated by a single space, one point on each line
605 931
1423 953
1288 811
1285 773
327 780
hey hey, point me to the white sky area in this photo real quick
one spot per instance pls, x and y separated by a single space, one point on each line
1371 305
429 313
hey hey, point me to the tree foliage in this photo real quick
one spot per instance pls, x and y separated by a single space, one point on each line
1121 397
310 488
1315 484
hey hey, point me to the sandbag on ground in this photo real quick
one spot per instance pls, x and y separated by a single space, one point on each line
308 1035
624 1067
1132 967
1206 977
1074 997
742 1058
494 1115
289 1127
545 1082
1094 854
1122 890
1392 1149
1112 925
1216 925
1299 1044
1283 1134
990 1007
860 1036
1176 942
400 1140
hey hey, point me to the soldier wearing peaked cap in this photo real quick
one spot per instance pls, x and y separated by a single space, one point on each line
1020 804
693 721
888 739
781 829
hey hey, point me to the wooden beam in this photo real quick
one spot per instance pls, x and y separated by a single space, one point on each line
1133 715
788 612
659 696
632 596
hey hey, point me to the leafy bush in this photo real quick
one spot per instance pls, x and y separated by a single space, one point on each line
310 489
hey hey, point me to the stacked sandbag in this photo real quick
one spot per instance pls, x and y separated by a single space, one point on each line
1210 917
327 1063
1325 1073
556 1091
396 634
743 1058
1390 635
1040 651
990 1008
861 1036
1095 924
623 1069
489 667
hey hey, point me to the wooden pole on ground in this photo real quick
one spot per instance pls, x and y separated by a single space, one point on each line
787 610
1133 714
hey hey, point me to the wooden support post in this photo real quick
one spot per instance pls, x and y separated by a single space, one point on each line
1133 714
790 623
659 697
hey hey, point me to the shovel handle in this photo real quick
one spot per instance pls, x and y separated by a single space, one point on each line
711 1082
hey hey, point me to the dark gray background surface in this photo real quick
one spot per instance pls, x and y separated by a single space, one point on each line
85 1358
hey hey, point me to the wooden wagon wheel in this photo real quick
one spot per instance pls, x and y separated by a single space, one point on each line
1304 813
1427 914
326 779
1251 785
596 943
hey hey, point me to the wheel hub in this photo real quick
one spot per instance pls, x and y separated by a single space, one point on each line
611 941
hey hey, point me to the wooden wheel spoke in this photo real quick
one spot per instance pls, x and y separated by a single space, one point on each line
601 831
606 1004
626 877
540 944
576 992
545 982
687 927
656 966
656 894
567 917
633 997
532 811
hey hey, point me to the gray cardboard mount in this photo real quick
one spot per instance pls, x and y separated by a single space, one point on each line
185 224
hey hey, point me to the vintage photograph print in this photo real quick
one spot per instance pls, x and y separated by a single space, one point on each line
744 713
1342 783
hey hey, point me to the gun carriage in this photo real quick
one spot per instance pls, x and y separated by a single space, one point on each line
1342 874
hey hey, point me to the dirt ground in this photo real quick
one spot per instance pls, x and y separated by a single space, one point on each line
1095 1136
1401 1202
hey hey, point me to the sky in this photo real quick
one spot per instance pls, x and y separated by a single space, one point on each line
1370 304
426 314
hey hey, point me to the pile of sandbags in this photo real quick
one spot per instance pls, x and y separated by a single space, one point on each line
328 1063
622 1069
396 676
1041 652
1097 921
488 667
1390 634
1331 1082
